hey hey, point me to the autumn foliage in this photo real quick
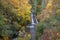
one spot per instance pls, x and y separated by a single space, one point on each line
14 16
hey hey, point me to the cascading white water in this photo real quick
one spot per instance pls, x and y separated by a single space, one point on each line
32 20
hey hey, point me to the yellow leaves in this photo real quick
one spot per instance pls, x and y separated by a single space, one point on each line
4 3
28 18
29 35
18 14
14 2
24 9
24 1
58 11
39 6
5 38
19 25
4 19
49 5
20 8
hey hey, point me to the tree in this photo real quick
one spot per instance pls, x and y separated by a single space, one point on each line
15 14
49 17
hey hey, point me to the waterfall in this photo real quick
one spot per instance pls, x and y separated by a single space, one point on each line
33 19
33 26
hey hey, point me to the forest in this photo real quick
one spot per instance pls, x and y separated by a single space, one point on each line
29 19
